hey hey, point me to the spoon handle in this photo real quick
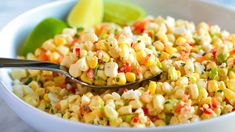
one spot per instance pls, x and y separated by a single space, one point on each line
28 64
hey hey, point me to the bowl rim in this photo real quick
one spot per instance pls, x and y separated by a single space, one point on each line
65 121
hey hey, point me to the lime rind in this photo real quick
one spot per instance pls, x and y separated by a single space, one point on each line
45 30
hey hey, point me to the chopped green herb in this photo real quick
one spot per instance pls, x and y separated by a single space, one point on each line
80 29
28 81
220 91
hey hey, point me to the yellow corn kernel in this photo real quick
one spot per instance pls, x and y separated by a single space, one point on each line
83 53
159 45
206 100
213 86
33 72
164 55
231 75
49 83
230 95
180 41
170 50
92 61
101 46
40 91
232 38
54 57
124 52
121 79
140 55
100 82
162 37
31 100
84 78
59 41
130 76
105 57
202 93
152 87
147 74
33 85
231 84
150 61
159 122
222 85
59 80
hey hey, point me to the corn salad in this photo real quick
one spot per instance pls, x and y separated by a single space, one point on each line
195 64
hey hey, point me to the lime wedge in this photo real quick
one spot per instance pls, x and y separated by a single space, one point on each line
122 12
45 30
86 13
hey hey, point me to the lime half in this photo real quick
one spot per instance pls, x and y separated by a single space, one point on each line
122 12
45 30
86 13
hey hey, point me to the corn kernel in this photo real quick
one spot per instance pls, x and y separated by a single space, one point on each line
147 74
140 55
150 61
212 86
159 45
121 79
162 37
124 50
92 61
180 41
171 50
164 55
130 77
231 84
59 41
84 78
231 75
230 95
152 87
101 46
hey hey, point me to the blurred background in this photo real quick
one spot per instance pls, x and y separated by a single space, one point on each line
9 9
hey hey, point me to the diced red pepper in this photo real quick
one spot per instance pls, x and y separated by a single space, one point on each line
127 67
139 27
213 51
57 106
147 58
132 44
233 109
207 111
90 73
232 52
185 97
43 57
75 40
135 119
234 61
180 106
72 90
191 44
137 71
150 34
146 111
77 51
214 103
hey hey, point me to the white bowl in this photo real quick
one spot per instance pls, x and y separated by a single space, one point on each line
15 32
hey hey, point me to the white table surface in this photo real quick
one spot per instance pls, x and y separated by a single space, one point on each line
9 9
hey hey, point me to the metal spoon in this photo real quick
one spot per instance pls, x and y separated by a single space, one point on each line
39 65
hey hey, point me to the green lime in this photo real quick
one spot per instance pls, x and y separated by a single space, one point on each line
45 30
122 12
86 13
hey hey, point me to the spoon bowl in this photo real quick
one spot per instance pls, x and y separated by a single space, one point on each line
39 65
